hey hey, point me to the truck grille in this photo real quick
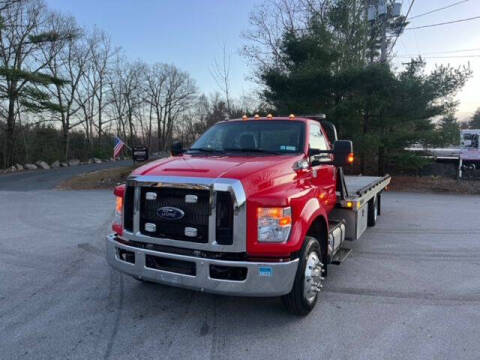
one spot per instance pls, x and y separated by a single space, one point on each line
193 209
195 214
128 208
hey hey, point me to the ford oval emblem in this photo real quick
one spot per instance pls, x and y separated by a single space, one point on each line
170 213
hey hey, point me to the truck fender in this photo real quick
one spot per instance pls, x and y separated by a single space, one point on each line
311 214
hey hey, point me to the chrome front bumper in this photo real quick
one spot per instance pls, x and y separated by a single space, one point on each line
263 278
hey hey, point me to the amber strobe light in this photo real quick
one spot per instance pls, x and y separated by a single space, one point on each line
350 158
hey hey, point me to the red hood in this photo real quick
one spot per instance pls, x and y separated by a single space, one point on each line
256 173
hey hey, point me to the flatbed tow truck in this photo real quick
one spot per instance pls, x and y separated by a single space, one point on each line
255 207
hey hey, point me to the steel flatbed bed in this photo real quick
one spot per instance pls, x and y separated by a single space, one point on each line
361 192
364 187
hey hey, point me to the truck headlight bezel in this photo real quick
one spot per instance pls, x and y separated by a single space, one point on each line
274 224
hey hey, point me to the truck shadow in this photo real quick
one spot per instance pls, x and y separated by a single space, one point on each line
212 311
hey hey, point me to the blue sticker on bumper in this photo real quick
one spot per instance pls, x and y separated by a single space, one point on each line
265 271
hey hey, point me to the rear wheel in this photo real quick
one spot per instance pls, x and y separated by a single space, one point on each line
308 280
372 211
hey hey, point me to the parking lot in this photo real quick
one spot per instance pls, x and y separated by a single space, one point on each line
410 290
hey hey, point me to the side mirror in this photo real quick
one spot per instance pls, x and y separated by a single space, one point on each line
176 149
342 153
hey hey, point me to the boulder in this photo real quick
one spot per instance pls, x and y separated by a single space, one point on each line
63 164
11 169
90 161
30 166
97 160
55 164
19 167
42 165
74 162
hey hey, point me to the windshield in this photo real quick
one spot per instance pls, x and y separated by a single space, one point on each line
270 136
470 141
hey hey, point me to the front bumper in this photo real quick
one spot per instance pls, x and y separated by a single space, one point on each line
262 279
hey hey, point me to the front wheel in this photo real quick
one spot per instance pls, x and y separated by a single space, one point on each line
308 280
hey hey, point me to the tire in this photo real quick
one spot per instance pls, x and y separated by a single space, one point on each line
299 301
372 211
379 204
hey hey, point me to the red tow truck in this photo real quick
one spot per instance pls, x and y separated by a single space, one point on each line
255 207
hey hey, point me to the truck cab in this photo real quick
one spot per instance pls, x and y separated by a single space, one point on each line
255 207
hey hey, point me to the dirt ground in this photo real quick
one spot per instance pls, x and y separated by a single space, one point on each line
434 184
109 178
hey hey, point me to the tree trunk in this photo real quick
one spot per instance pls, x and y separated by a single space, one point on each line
10 133
363 163
66 142
381 160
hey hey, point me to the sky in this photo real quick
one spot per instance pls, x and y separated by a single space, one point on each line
191 35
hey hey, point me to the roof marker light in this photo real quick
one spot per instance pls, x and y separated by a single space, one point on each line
244 117
292 117
257 116
269 116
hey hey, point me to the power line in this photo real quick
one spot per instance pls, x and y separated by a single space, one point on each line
439 9
444 23
442 57
447 52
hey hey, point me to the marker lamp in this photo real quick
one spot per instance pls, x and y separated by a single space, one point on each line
274 224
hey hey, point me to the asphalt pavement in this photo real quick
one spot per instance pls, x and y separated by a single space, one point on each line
410 290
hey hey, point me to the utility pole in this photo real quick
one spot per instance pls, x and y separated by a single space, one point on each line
379 15
379 12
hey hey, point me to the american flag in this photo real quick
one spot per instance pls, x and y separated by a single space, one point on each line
119 144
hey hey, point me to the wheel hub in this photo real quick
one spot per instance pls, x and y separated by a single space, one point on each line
313 277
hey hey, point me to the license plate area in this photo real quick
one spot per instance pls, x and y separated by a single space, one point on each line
171 265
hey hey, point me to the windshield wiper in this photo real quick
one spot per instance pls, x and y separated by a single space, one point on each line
207 150
263 151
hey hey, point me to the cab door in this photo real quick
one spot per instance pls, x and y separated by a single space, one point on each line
323 175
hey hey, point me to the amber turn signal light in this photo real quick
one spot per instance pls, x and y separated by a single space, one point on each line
350 158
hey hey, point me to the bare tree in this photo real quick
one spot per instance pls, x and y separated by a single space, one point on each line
126 87
221 74
268 22
102 54
170 92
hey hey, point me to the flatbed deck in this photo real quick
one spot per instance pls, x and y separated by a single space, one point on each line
362 188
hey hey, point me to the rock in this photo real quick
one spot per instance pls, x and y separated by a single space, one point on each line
55 164
63 164
97 161
90 161
19 167
74 162
30 166
42 165
11 169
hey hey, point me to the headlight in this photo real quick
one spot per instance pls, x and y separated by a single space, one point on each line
274 224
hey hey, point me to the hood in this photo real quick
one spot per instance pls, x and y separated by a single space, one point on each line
255 172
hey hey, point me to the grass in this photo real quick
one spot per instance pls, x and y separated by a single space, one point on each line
101 179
